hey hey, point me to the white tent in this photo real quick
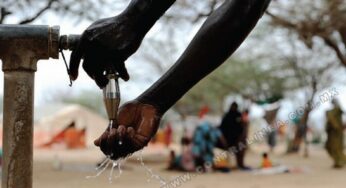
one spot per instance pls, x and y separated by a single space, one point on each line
48 126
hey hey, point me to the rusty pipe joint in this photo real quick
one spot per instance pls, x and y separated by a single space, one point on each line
18 43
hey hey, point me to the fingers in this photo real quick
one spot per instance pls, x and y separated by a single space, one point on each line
115 134
75 59
95 63
140 140
130 132
88 67
100 79
120 142
94 67
121 133
97 142
121 69
112 138
100 142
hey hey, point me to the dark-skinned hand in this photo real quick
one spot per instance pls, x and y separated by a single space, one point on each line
137 124
104 45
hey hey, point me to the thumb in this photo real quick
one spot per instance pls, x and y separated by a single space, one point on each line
121 69
97 142
75 59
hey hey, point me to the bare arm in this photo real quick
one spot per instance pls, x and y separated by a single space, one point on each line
147 12
221 34
107 43
219 37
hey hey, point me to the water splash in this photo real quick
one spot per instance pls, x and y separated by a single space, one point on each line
150 171
111 173
104 165
115 164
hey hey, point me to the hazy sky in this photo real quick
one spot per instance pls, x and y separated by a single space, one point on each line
51 76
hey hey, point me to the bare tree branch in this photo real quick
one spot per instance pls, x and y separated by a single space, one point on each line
212 6
332 44
280 21
3 13
306 29
39 13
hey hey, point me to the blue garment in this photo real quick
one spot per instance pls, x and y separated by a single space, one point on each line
204 141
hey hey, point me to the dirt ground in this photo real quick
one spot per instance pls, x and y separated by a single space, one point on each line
75 165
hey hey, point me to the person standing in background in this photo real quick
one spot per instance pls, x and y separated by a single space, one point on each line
168 134
234 131
335 135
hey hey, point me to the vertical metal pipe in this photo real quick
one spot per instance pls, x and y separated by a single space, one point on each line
18 129
21 46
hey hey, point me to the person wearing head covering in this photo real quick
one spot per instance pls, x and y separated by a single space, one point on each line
234 129
335 138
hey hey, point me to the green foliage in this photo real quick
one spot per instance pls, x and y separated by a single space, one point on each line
252 80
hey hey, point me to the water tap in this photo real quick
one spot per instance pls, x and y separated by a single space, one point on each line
111 96
111 92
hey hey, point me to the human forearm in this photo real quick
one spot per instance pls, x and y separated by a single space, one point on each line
108 42
219 37
144 13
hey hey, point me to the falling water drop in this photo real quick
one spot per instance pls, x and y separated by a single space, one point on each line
150 172
101 170
120 170
110 125
114 164
102 163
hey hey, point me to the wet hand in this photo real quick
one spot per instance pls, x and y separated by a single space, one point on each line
104 45
137 124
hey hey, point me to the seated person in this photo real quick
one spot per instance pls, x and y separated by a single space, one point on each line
184 162
173 162
266 162
204 141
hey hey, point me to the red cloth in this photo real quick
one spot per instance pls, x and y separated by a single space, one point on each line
203 111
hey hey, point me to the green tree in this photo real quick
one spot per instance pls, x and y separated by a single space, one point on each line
252 80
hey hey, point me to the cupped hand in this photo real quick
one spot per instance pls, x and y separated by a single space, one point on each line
137 123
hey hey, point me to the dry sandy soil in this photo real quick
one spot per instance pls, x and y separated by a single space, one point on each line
76 165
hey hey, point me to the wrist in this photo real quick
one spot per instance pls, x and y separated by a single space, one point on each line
144 13
149 100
